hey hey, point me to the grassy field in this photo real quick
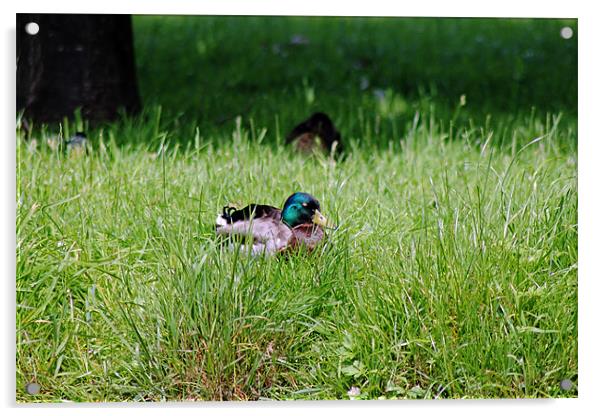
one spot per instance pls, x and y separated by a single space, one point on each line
206 71
453 272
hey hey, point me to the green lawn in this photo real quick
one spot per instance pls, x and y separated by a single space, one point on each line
453 272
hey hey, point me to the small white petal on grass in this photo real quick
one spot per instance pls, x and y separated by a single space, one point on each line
354 392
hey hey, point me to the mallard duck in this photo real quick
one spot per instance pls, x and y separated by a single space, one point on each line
316 133
298 224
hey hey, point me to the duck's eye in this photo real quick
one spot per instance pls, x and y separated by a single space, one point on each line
304 204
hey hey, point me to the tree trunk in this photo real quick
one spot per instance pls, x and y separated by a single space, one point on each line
76 61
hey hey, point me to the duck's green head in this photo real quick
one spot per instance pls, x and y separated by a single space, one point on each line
301 208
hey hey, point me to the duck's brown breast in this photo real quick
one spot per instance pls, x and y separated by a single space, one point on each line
307 143
306 235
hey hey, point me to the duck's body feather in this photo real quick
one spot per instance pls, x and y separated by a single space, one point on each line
263 224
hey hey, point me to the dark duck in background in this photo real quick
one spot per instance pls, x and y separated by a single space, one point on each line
317 133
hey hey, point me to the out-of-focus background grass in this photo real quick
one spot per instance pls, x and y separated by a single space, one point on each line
210 69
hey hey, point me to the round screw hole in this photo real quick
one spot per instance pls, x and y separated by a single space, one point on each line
566 32
32 28
566 384
33 388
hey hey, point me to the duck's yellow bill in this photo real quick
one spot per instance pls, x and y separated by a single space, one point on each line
321 220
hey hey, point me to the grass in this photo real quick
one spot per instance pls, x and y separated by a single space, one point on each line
453 272
205 71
